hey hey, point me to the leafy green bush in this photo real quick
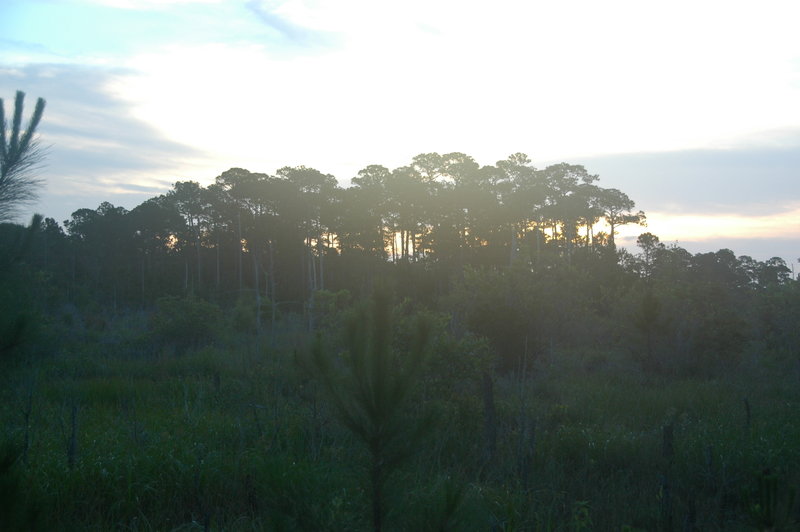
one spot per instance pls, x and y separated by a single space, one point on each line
185 322
330 308
245 314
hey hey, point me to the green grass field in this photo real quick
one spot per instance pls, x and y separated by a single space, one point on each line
238 437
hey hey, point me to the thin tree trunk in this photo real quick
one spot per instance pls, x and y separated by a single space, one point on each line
312 272
239 247
312 285
611 242
311 304
489 418
377 493
72 287
44 244
527 429
256 270
199 264
26 413
321 250
216 230
72 447
272 296
413 245
513 254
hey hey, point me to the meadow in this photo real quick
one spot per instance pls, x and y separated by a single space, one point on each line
116 431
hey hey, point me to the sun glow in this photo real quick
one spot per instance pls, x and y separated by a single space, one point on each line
671 227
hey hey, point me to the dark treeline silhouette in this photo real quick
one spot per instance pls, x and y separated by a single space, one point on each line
295 232
513 252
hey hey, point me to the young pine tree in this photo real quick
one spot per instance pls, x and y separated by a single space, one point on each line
19 156
372 391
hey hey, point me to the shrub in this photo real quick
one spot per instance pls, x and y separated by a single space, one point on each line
185 322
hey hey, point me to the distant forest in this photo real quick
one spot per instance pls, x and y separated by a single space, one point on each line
298 231
444 230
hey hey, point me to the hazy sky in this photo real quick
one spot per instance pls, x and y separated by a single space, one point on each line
692 108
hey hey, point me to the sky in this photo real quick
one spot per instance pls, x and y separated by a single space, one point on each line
691 108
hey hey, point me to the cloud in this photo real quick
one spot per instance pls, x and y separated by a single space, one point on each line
550 80
745 199
23 51
147 4
97 150
23 47
294 32
759 180
708 227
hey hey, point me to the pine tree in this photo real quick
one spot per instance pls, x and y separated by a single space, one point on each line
20 154
372 391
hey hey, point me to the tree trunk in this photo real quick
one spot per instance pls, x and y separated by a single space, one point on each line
239 247
312 271
199 266
513 254
256 272
72 445
321 250
377 492
489 419
74 266
272 297
611 236
216 230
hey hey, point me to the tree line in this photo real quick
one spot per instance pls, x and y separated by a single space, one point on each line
523 256
290 234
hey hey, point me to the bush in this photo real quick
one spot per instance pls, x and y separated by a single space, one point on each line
185 323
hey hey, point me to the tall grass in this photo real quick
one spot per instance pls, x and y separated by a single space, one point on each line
235 437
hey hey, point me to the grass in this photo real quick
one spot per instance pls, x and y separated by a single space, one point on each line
235 438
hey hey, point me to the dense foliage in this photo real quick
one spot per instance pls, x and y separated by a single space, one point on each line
219 357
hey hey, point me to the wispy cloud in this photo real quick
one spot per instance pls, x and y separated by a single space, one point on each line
296 33
746 199
147 4
97 149
755 180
